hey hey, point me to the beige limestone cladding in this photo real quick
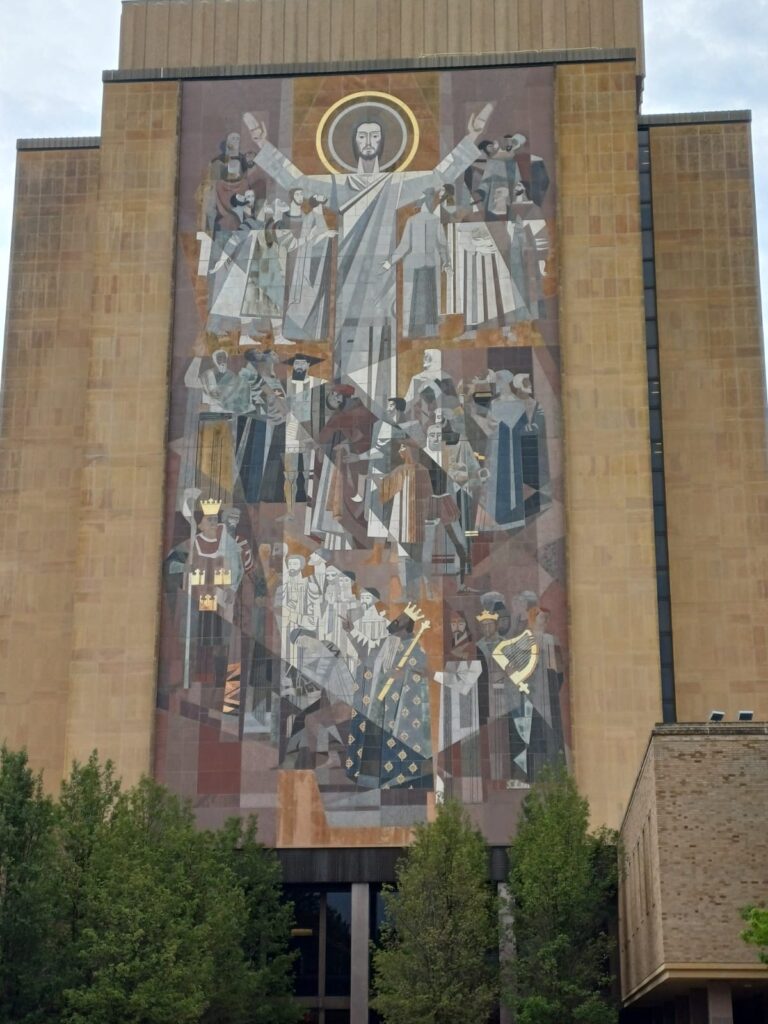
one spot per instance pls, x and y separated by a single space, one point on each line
113 672
614 646
713 393
41 444
207 33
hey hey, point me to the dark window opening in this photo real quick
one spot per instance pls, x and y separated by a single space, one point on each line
656 431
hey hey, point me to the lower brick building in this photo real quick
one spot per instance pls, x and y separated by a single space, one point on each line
695 842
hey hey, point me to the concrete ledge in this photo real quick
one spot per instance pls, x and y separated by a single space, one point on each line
82 142
697 975
711 729
701 117
430 62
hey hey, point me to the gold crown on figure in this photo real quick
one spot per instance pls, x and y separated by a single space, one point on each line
210 506
413 612
487 617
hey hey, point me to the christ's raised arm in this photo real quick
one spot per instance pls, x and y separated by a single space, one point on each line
279 168
451 166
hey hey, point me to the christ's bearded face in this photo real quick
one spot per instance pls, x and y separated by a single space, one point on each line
368 140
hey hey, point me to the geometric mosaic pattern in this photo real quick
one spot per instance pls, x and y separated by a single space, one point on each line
365 533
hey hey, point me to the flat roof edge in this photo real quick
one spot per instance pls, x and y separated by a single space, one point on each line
665 729
79 142
428 62
753 728
699 117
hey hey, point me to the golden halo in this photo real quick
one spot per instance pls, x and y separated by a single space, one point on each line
368 95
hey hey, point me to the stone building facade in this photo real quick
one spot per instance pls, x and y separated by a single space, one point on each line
383 418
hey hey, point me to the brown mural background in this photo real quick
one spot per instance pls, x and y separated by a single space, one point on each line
364 604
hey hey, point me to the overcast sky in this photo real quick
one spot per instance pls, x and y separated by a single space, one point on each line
700 55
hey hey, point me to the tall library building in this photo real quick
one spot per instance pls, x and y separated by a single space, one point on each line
384 420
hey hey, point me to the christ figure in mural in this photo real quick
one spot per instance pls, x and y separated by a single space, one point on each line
366 202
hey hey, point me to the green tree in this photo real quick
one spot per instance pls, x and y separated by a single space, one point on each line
562 886
756 932
83 814
116 909
268 924
162 920
28 895
438 962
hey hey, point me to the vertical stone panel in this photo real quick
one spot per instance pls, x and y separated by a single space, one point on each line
180 34
413 28
361 931
203 32
158 36
227 31
435 27
713 397
601 23
132 35
611 564
121 503
296 29
249 32
576 24
41 443
319 31
553 22
341 29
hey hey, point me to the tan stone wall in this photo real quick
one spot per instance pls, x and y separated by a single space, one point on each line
713 415
41 444
615 687
640 927
205 33
116 596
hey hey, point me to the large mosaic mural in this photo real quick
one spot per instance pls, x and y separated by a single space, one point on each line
364 597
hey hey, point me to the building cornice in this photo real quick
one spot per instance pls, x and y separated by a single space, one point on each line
430 62
80 142
699 117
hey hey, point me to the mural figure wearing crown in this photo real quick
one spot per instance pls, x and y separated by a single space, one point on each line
366 200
